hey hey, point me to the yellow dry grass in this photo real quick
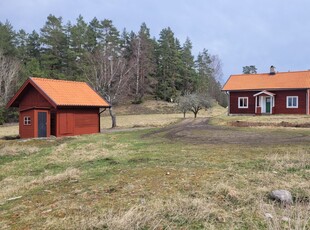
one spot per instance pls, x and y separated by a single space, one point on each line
9 130
145 120
13 185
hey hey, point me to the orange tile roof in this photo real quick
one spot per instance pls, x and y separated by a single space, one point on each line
281 80
69 93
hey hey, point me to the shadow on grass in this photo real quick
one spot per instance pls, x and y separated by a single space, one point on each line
8 138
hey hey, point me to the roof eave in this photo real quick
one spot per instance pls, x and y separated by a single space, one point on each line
92 106
16 95
43 93
260 89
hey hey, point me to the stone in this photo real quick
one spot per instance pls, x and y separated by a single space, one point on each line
285 219
268 216
283 196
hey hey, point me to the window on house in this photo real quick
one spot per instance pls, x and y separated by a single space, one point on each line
292 102
27 120
243 102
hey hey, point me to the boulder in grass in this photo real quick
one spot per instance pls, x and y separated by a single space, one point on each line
283 196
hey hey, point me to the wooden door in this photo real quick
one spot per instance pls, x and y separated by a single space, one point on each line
42 120
268 104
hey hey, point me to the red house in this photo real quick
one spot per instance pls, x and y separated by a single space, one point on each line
269 93
57 107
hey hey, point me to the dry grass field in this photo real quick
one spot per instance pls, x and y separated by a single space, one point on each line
180 174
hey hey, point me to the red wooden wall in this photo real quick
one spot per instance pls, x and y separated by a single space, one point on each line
32 98
30 104
280 102
280 106
26 131
77 121
234 102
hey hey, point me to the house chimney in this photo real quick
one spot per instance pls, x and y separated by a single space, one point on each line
272 70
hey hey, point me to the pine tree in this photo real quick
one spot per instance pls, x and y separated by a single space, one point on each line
33 46
54 42
188 73
21 39
7 39
204 71
92 35
167 65
33 66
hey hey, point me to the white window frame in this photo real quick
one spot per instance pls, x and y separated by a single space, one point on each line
27 120
292 98
247 102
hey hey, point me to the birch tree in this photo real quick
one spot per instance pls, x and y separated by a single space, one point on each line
144 63
108 70
9 68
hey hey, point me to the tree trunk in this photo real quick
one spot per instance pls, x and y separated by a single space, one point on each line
184 114
195 114
113 117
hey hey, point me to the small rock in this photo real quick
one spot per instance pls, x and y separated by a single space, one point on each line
142 201
285 219
283 196
268 216
167 173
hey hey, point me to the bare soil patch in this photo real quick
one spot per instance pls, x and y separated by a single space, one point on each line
199 131
268 124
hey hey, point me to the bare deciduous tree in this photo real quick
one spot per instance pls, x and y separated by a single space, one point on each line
9 68
109 73
184 104
193 103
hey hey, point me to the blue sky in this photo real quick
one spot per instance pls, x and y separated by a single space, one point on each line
241 32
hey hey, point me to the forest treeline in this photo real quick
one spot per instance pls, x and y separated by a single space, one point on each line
120 65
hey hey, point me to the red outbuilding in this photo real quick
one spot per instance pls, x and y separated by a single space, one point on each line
269 93
57 107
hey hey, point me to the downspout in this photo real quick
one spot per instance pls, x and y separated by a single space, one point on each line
99 125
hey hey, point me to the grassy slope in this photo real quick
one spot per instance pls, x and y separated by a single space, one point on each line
124 181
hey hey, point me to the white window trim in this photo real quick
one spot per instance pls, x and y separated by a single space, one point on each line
291 107
27 120
247 104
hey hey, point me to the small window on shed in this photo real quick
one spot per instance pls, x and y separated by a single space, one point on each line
243 102
27 120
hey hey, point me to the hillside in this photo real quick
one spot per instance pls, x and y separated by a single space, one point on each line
147 107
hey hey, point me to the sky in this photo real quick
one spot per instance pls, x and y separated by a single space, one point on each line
240 32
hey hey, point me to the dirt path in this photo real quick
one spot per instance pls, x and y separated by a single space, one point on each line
115 130
200 131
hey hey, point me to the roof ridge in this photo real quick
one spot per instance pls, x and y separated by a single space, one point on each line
51 79
267 73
